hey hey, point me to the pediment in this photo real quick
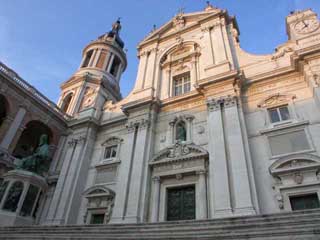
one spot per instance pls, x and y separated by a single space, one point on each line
178 23
112 141
179 151
295 162
95 191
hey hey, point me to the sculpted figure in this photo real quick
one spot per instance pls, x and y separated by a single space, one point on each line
38 161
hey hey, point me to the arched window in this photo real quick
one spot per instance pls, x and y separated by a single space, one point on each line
115 66
13 197
181 131
66 102
179 69
87 59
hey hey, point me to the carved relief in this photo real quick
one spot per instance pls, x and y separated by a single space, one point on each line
276 99
179 22
88 98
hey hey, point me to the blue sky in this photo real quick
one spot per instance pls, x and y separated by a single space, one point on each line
42 40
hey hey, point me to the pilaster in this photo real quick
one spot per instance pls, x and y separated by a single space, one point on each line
237 159
155 199
219 185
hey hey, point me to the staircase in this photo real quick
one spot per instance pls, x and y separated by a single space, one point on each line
304 225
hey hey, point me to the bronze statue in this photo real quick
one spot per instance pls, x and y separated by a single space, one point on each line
38 162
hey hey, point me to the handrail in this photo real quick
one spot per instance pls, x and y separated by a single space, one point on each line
32 90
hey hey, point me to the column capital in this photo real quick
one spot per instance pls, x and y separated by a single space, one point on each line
214 104
156 179
230 101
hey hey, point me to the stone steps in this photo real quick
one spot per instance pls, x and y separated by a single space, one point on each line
297 225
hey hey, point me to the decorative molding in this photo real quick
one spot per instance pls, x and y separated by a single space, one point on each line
180 151
179 22
183 117
276 100
139 123
215 104
112 141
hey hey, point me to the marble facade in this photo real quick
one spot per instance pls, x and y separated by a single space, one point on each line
251 124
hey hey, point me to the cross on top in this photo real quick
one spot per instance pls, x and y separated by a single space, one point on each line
181 10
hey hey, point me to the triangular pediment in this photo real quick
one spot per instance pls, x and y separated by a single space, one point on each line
179 23
179 151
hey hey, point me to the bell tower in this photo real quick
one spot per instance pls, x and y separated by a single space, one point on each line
97 78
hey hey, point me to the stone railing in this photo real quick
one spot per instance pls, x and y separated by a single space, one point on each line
32 90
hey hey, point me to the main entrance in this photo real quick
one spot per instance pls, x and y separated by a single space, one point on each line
181 204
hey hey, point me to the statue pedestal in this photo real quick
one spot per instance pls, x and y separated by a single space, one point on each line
20 194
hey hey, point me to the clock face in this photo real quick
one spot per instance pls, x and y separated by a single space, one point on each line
306 26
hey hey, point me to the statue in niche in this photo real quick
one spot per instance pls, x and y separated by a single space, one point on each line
38 161
181 133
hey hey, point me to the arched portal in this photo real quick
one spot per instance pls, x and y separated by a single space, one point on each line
3 109
30 138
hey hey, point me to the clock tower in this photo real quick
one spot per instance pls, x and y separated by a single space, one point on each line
302 24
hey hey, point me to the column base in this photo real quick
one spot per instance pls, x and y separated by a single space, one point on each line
221 213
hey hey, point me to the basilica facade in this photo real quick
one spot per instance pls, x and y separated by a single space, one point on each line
208 131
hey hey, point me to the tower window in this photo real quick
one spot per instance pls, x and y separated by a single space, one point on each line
115 66
87 59
181 84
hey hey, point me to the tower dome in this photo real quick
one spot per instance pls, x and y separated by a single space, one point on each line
105 56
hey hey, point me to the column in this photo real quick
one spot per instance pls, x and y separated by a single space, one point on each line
209 53
139 164
58 153
94 53
75 152
165 83
125 168
202 195
96 57
219 193
110 62
106 61
15 125
218 44
189 128
237 159
149 76
193 79
141 71
155 199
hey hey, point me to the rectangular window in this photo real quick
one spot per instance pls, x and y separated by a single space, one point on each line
181 84
289 142
97 218
309 201
110 152
279 114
